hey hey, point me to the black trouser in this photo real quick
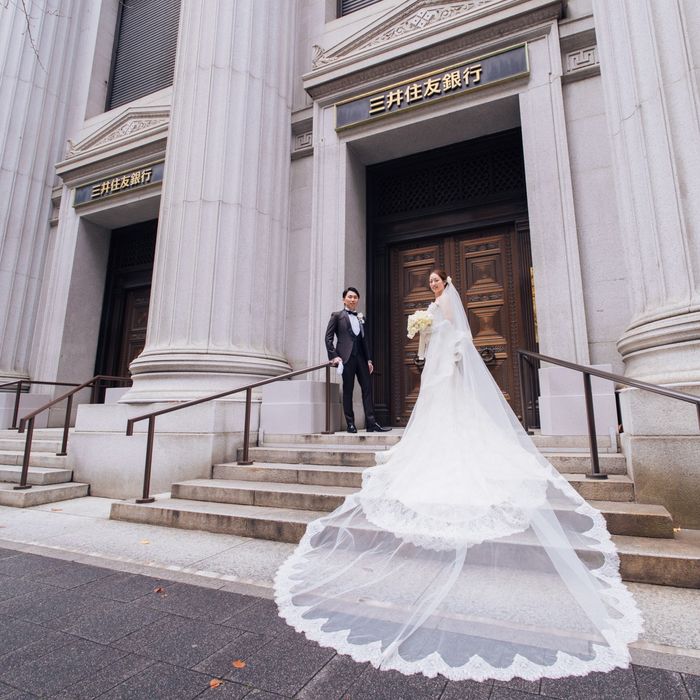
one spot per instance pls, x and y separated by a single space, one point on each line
356 366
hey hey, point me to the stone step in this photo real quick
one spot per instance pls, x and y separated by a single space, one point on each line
38 495
624 518
566 462
547 443
36 459
618 488
321 475
643 559
17 445
36 475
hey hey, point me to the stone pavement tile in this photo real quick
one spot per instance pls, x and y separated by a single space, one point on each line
261 618
392 685
333 680
107 678
58 669
160 682
202 603
32 566
467 690
44 607
505 693
519 684
178 640
283 666
109 621
50 641
126 587
241 648
7 553
228 690
16 634
692 685
619 684
75 575
654 683
11 587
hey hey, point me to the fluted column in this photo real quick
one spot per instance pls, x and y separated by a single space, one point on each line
219 277
650 57
37 53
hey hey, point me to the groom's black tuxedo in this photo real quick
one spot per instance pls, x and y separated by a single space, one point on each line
353 350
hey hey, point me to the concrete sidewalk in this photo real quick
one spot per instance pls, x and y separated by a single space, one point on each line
84 547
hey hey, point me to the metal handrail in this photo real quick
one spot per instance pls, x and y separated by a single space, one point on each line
18 393
587 372
29 419
146 498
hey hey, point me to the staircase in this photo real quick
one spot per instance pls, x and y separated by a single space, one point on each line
297 478
49 475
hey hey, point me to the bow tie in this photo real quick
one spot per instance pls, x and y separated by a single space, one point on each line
354 313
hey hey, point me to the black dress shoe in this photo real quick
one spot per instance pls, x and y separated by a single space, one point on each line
352 428
376 428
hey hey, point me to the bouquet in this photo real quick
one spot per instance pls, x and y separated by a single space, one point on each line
419 322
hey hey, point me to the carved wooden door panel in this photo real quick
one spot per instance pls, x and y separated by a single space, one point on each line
134 326
410 270
489 274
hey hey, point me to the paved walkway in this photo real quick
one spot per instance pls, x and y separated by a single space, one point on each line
122 610
71 630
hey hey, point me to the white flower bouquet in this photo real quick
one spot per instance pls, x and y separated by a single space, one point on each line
419 322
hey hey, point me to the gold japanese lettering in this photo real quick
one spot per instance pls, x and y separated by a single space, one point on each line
473 73
414 92
135 178
125 182
432 87
105 188
395 97
451 80
146 175
376 104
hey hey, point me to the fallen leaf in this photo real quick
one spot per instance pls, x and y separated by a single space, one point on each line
144 542
215 683
56 510
238 664
159 589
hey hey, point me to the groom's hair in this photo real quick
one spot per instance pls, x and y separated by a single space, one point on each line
350 289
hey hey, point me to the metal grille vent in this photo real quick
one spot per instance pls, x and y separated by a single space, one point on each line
345 7
145 46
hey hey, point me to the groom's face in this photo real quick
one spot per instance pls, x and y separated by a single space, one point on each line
351 300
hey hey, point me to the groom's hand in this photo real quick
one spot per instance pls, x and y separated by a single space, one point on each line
371 367
336 361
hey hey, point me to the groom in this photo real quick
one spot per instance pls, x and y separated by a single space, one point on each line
353 351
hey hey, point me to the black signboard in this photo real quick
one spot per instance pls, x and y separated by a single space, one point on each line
118 184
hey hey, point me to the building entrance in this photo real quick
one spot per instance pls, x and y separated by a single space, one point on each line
127 296
462 209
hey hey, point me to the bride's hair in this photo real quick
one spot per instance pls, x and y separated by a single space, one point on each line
441 274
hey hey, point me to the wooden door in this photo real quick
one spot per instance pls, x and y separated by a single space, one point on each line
490 269
133 327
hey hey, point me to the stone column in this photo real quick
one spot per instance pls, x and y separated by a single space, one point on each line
37 54
650 57
217 307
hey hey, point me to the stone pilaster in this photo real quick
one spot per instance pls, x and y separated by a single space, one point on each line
217 310
650 56
37 54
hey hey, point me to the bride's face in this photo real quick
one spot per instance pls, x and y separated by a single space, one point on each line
436 284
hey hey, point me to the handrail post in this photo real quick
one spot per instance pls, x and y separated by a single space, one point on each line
25 462
147 498
93 390
15 413
328 430
697 406
592 439
66 427
246 429
523 402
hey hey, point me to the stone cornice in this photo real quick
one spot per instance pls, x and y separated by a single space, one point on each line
133 135
494 20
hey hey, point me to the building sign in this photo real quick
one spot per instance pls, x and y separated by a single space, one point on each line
117 184
425 89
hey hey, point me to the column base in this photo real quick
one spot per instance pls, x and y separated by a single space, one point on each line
184 375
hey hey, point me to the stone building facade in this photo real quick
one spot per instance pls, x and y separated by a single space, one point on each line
546 152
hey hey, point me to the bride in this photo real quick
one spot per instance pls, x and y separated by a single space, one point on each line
465 553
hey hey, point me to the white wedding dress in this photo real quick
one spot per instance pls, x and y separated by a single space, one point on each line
465 553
